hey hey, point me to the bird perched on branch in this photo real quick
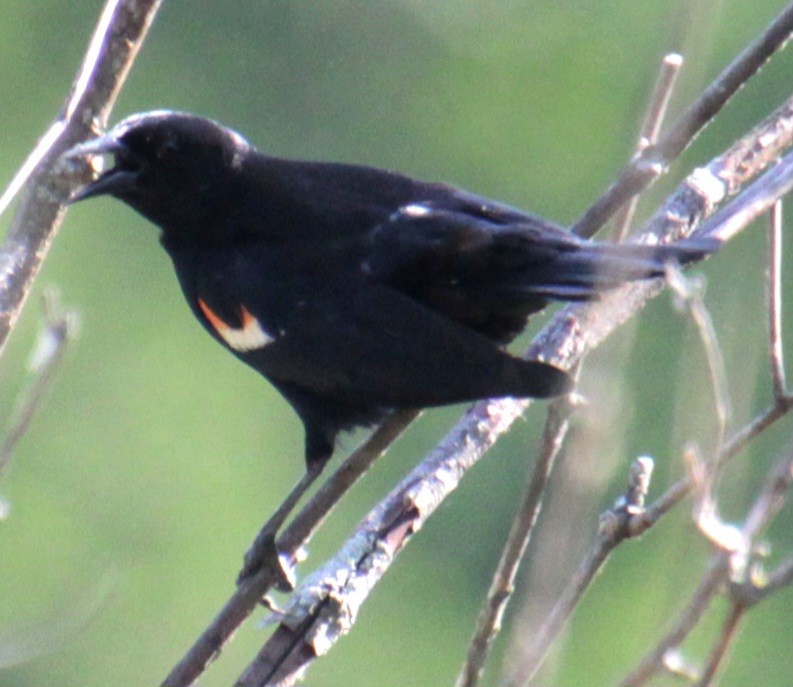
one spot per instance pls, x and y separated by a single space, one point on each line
354 290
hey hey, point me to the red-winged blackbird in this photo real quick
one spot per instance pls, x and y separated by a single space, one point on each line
354 290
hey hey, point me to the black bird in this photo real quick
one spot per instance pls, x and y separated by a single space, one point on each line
354 290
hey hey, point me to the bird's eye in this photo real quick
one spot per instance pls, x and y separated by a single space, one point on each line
167 149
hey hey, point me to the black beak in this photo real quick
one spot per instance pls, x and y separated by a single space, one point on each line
115 180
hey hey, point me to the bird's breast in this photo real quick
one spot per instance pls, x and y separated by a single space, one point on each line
255 298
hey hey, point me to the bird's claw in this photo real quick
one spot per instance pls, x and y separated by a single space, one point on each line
264 555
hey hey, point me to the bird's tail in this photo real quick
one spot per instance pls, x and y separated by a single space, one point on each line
590 268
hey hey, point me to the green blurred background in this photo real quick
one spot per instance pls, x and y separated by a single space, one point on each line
156 455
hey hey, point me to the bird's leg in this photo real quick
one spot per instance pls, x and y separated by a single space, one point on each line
263 551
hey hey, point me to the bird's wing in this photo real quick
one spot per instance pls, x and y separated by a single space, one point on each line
473 245
372 345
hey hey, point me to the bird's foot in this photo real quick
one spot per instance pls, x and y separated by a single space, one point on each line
264 555
263 552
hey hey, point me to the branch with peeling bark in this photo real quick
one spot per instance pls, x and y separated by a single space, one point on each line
44 180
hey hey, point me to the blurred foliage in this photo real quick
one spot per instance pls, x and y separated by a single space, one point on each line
156 456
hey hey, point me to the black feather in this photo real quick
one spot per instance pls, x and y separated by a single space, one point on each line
356 290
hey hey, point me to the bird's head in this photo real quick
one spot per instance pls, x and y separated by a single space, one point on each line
156 161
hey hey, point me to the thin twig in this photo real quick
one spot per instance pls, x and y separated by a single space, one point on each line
686 621
770 500
689 293
749 585
754 428
732 564
693 198
783 402
653 160
781 577
488 623
46 179
721 534
728 633
58 328
651 127
542 639
659 101
774 297
734 445
615 527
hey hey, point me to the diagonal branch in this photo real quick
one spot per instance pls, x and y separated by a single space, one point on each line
45 181
650 130
774 299
489 621
730 566
58 329
616 525
694 610
690 294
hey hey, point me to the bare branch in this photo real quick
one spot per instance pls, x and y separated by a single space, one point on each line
118 36
488 623
659 101
771 498
753 429
689 292
732 565
578 327
723 535
687 620
781 577
707 186
755 201
615 527
734 445
652 161
727 635
325 606
774 297
651 127
58 328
